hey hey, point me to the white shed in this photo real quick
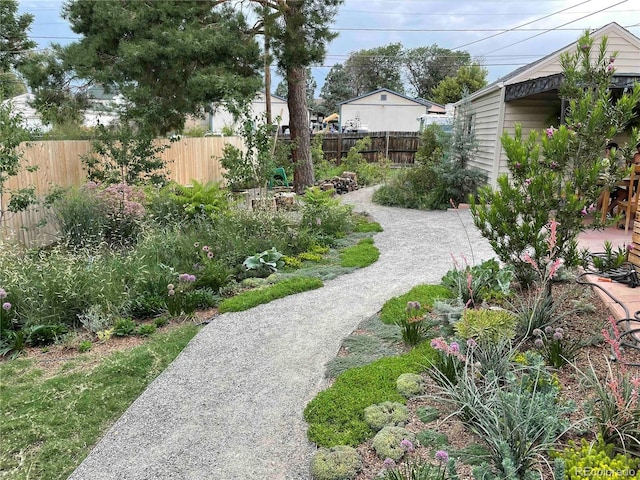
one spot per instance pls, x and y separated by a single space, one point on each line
384 110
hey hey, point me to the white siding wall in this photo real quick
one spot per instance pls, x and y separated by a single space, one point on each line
486 111
222 118
395 114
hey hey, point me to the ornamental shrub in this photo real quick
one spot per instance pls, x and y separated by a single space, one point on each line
596 460
337 463
388 442
554 174
410 385
386 414
486 325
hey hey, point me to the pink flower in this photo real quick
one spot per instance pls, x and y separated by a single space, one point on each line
630 246
3 293
407 445
527 181
210 254
389 463
6 306
583 212
205 248
550 131
454 347
609 67
538 343
442 456
471 343
171 293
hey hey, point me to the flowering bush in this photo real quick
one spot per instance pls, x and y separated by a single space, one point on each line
554 174
180 298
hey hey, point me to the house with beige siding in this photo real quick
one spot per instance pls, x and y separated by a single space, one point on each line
384 110
529 96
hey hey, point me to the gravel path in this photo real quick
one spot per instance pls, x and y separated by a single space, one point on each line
230 406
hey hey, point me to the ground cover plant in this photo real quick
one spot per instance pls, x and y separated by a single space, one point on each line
52 416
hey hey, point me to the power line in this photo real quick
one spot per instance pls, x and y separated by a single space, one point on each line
556 28
522 25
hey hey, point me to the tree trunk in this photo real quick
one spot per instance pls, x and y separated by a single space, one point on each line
299 127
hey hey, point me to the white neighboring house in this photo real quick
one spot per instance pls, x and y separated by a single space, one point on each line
20 105
529 96
102 109
221 118
384 110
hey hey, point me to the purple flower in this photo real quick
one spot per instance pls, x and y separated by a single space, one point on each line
538 343
454 347
389 463
557 335
518 165
191 278
527 181
407 445
442 456
3 292
171 293
548 330
583 212
609 67
550 132
554 165
537 332
471 343
210 254
584 46
6 306
205 248
630 246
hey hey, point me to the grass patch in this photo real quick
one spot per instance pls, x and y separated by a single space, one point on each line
365 226
335 415
361 255
252 298
394 308
49 423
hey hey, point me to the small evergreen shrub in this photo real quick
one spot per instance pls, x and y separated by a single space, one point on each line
146 330
386 414
123 327
337 463
486 325
596 460
387 443
410 385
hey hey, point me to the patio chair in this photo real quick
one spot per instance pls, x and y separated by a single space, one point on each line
630 205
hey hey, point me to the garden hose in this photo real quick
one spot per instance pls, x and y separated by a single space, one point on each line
630 336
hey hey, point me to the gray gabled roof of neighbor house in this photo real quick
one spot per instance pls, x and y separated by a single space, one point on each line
526 68
419 101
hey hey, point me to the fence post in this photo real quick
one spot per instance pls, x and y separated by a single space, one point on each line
339 159
386 145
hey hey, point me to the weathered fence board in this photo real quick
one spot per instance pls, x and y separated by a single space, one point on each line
399 147
58 164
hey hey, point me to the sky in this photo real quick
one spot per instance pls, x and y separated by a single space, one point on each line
501 34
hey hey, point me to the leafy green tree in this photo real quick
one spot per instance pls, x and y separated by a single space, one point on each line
123 154
468 78
167 58
426 67
12 134
10 85
337 88
375 68
14 42
60 95
553 174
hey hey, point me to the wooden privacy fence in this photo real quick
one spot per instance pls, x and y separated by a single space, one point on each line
58 164
399 147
